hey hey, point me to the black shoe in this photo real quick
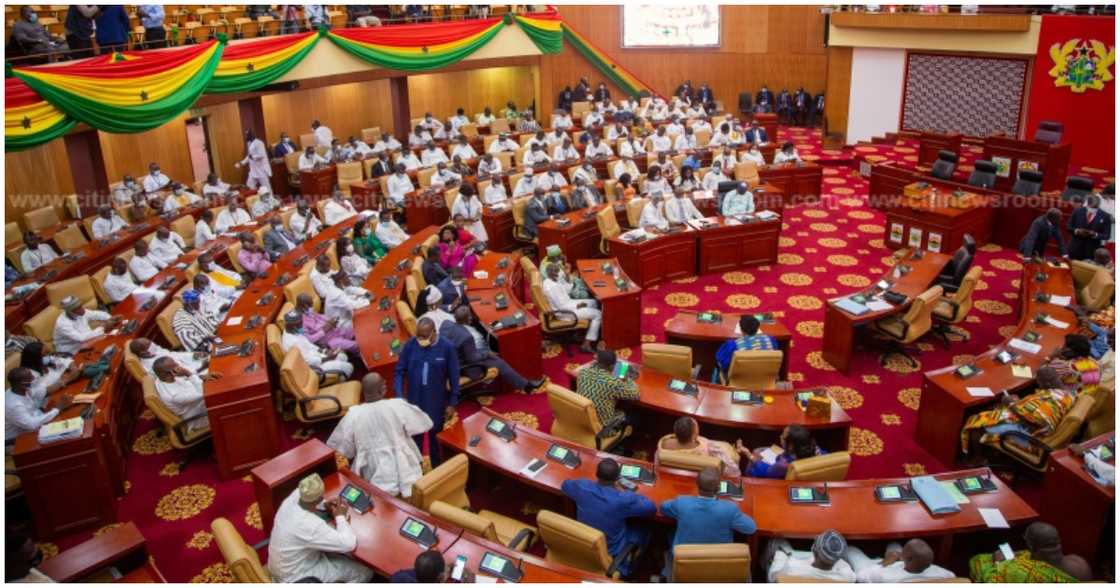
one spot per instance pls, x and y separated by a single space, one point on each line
534 385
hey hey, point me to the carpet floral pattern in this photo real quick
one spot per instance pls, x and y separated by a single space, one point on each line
827 249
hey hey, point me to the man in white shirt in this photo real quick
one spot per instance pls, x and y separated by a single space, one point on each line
179 198
552 180
738 201
376 437
148 352
485 118
310 160
167 246
387 143
458 120
265 203
701 124
214 187
155 181
713 178
432 155
180 390
463 149
203 233
467 210
526 184
399 185
215 299
317 359
430 123
323 135
909 563
561 119
631 147
686 141
565 152
659 142
651 217
535 156
217 274
303 223
753 155
119 283
587 172
560 299
22 412
388 231
143 264
256 157
594 118
625 166
123 194
338 209
726 159
444 177
823 562
674 127
489 166
617 131
409 160
495 192
231 216
503 143
787 154
75 327
598 149
556 137
680 209
418 137
655 183
303 545
107 222
320 275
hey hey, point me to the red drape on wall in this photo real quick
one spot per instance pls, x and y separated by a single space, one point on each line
1089 115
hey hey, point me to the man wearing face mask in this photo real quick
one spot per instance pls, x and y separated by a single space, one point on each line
256 157
317 359
284 147
33 37
265 203
278 240
214 187
75 325
399 185
388 231
167 246
739 201
214 299
584 195
304 223
231 216
123 194
430 366
217 274
107 222
155 180
179 198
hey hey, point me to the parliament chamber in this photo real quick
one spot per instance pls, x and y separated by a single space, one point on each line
554 294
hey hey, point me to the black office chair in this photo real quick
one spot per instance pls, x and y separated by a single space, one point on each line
1077 186
945 165
1049 131
722 189
746 103
983 174
1028 184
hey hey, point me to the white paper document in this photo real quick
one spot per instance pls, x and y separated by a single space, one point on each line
769 455
1057 323
876 305
979 392
1061 300
234 321
993 518
1025 346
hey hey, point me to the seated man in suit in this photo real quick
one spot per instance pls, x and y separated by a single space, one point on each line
536 212
278 240
284 147
756 134
1042 230
475 356
951 276
1090 227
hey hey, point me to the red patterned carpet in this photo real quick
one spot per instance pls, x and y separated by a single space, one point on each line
826 250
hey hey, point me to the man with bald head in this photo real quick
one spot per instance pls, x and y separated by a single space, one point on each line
705 519
148 352
1040 562
144 264
22 414
900 563
1076 566
180 390
376 436
427 374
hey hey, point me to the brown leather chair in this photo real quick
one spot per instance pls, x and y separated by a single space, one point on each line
313 403
904 329
416 272
722 562
950 310
608 228
747 171
98 283
446 483
272 337
481 526
41 326
163 321
80 287
1096 293
575 419
12 233
684 460
571 543
371 135
301 285
349 173
831 467
182 433
133 366
555 324
41 218
424 176
241 558
518 209
754 370
1034 452
408 318
71 238
675 360
232 251
634 211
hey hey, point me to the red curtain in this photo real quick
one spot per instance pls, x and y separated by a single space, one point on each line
1088 116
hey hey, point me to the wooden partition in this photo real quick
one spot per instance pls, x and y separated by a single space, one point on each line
165 145
34 178
441 93
345 108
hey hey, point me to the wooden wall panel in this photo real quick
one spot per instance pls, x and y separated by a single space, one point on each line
131 153
346 109
36 178
781 46
227 145
442 93
838 89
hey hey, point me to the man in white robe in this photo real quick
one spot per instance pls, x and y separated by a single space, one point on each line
167 246
119 284
231 216
107 222
680 209
303 545
266 202
143 264
559 298
180 390
468 207
256 157
341 300
399 184
155 180
22 412
35 253
304 224
376 437
388 231
148 352
651 217
337 210
317 358
214 299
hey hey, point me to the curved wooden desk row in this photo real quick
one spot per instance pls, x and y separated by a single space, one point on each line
94 255
712 406
945 401
706 338
853 511
840 326
1076 504
95 461
380 543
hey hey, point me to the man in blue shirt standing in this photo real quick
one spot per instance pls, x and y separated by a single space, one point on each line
704 519
601 504
431 366
151 17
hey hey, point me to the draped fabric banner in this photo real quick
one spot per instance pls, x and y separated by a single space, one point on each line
420 47
607 66
254 64
544 29
1073 84
130 95
28 119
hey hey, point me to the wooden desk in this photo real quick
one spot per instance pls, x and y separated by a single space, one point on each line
769 123
931 144
942 214
706 338
840 327
317 184
425 208
946 403
499 228
275 479
1077 505
665 257
535 570
519 346
123 548
1051 160
730 244
622 309
576 233
799 183
724 420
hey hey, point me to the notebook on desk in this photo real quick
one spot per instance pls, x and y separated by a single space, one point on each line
851 307
934 496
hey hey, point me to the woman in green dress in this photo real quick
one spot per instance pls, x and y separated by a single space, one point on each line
366 244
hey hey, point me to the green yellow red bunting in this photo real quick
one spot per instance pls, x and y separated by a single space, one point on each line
420 47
